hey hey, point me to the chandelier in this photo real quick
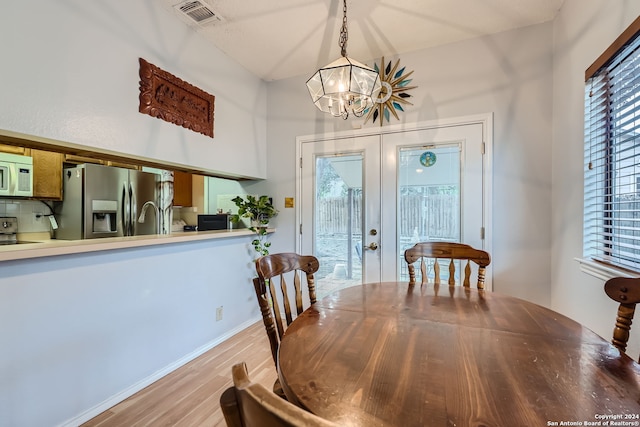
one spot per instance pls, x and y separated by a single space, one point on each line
344 86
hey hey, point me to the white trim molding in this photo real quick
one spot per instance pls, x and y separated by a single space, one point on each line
602 271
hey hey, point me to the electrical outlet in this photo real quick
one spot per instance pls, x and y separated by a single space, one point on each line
38 216
218 314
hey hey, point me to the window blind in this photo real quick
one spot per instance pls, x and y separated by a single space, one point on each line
612 160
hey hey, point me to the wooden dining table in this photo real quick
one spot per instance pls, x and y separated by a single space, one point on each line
392 354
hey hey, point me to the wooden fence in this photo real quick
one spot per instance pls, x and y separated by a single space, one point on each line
421 216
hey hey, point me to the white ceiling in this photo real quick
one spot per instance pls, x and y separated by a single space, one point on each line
285 38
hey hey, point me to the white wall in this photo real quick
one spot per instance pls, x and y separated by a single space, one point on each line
80 332
25 211
70 72
582 31
508 74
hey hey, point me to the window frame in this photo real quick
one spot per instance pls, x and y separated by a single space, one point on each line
605 266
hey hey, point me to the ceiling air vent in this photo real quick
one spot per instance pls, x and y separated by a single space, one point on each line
198 12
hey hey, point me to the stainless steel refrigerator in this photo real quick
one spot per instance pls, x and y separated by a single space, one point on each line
105 201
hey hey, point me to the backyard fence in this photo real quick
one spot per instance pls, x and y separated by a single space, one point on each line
435 216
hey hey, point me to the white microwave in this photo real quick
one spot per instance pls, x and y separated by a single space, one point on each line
16 175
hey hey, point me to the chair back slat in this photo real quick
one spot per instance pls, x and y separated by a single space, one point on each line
467 275
447 251
275 306
452 273
285 300
436 272
625 291
311 284
298 290
275 273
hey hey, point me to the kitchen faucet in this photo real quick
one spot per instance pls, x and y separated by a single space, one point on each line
144 212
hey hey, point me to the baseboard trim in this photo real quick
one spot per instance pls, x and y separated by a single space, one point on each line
133 389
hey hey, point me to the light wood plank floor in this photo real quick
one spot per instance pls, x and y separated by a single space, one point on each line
190 395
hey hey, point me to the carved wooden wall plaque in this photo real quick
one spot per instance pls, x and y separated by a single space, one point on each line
171 99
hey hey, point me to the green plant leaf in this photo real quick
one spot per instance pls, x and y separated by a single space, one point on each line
258 209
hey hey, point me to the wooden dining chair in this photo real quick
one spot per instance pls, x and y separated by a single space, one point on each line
625 291
446 251
248 404
272 290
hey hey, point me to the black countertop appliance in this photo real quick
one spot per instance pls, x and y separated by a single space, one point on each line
213 222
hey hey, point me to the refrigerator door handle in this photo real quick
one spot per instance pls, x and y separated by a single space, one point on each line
126 212
133 203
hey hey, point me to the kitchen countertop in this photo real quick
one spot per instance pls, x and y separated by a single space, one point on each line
65 247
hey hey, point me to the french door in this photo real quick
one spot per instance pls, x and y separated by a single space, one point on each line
364 199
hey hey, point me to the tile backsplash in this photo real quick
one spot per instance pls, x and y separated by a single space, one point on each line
27 212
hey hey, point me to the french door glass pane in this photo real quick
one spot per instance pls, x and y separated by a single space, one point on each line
428 199
338 222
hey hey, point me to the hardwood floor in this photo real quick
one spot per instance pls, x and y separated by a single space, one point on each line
190 395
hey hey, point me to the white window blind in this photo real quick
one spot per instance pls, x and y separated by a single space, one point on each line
612 160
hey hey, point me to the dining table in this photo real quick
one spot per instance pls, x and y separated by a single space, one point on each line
395 354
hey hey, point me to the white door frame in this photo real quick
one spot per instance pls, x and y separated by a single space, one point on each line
486 120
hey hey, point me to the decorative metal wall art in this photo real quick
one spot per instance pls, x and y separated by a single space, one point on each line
393 95
173 100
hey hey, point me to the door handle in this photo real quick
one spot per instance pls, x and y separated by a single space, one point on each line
372 246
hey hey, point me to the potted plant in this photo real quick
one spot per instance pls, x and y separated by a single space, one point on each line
259 210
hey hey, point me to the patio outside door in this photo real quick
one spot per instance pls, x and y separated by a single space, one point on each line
365 199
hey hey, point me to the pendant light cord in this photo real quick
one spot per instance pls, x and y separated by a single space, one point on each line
344 36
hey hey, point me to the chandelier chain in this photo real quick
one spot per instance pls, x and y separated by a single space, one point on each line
344 35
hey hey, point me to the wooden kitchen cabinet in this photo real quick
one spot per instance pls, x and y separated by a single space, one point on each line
122 165
47 174
12 149
182 189
73 159
47 170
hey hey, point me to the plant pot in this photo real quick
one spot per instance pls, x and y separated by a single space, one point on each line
259 224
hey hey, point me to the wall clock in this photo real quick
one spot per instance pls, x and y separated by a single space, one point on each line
393 95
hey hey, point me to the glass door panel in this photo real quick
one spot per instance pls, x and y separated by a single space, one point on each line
338 222
428 197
